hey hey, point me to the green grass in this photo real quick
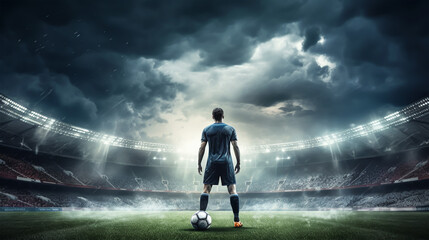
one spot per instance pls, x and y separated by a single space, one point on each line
176 225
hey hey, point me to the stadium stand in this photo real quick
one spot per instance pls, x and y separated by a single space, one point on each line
317 176
77 176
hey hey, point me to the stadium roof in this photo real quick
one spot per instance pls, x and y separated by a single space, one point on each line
413 112
17 120
34 119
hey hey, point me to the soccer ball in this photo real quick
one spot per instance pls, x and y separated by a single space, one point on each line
201 220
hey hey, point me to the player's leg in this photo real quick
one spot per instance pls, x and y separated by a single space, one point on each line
235 201
235 204
204 198
228 179
211 177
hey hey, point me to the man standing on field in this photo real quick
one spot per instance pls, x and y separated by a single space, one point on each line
219 162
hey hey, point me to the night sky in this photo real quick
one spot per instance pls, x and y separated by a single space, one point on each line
154 70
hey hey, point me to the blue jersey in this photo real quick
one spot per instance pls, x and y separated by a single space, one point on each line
219 136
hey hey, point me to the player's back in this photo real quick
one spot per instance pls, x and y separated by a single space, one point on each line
218 136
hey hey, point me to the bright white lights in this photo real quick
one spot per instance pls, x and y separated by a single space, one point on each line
413 111
16 111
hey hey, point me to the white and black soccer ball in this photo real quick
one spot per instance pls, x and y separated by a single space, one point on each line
201 220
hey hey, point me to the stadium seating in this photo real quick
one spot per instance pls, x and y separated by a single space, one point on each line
16 164
304 177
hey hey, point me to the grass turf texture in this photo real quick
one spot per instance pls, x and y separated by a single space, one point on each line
176 225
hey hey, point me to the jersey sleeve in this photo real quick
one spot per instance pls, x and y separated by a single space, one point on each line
233 135
204 136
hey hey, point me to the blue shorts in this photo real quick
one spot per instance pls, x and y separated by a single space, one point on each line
224 170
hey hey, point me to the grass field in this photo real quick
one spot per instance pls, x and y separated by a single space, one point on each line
176 225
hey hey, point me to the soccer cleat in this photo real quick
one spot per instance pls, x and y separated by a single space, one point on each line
238 224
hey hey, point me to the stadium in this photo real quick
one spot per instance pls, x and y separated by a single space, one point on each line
118 118
379 166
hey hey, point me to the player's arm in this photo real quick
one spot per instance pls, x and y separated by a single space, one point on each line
237 156
201 155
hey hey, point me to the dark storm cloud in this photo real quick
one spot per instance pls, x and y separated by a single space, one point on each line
89 52
381 54
99 60
88 57
312 36
384 49
224 31
292 110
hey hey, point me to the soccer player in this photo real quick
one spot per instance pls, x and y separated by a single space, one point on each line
219 162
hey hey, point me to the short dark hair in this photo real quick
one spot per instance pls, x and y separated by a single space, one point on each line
217 114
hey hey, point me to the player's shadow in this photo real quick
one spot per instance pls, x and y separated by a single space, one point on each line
218 229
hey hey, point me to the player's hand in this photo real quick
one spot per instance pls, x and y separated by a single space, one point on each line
237 168
200 169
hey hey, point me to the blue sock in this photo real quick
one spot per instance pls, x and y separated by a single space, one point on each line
235 204
204 200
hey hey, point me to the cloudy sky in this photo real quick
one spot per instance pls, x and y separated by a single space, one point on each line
154 70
